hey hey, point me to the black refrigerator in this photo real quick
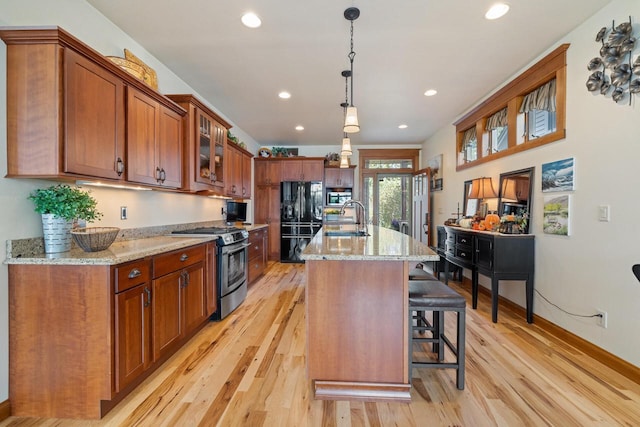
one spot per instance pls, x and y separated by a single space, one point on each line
300 217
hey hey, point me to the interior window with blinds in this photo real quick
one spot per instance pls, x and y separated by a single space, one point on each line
497 135
539 111
469 147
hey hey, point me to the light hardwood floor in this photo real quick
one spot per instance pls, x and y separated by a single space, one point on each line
249 370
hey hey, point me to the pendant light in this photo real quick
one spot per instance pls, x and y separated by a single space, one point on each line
351 124
346 146
346 142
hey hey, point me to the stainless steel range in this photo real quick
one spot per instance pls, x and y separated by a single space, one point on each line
231 265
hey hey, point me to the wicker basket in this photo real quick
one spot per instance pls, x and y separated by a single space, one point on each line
93 239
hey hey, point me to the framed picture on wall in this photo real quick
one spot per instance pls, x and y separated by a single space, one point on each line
556 215
435 164
558 175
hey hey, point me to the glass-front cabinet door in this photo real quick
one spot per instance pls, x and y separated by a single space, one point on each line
212 140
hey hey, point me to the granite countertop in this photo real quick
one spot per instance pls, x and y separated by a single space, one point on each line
117 253
382 245
131 244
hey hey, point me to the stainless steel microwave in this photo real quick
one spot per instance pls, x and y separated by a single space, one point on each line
338 198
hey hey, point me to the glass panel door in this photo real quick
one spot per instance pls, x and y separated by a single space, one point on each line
388 200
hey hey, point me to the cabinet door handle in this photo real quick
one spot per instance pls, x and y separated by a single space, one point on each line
134 273
163 175
184 257
147 303
119 166
158 175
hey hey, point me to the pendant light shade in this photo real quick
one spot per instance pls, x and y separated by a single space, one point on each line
344 162
351 120
346 147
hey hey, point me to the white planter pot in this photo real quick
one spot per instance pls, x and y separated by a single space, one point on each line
57 234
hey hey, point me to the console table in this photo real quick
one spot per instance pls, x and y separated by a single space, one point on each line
495 255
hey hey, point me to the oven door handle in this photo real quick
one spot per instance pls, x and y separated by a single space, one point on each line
245 245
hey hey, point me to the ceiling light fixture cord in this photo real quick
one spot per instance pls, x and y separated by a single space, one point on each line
351 56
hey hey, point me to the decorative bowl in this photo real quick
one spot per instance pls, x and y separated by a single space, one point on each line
94 239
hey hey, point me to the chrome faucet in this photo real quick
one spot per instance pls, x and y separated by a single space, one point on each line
360 214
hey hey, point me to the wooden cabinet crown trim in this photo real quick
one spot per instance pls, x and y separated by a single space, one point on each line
190 98
244 151
57 35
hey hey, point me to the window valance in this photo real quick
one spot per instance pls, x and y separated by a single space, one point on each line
542 98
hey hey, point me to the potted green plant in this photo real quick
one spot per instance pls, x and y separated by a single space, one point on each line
60 206
332 159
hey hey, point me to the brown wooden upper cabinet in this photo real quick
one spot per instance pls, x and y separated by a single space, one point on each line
154 142
66 114
338 177
267 172
238 172
205 136
246 175
303 169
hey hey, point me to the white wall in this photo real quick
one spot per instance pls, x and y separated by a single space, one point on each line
591 268
147 208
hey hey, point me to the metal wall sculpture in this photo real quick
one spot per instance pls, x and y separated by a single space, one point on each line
615 72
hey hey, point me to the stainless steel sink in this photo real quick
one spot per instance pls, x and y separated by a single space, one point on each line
343 233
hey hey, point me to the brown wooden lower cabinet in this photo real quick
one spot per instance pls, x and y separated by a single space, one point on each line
81 337
132 321
259 241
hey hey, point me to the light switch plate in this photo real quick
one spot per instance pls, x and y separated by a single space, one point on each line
604 213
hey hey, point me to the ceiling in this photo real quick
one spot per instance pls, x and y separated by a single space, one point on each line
402 49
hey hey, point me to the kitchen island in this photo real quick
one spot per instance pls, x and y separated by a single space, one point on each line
357 313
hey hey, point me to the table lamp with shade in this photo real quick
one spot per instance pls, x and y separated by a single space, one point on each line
482 189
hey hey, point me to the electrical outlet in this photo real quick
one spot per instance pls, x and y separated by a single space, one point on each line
602 318
123 212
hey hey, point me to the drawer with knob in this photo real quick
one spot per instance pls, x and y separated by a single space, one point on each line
175 260
132 274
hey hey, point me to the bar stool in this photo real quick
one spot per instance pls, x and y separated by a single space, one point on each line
435 296
418 273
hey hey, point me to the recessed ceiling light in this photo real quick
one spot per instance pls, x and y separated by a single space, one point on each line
299 127
251 20
430 92
403 126
284 94
496 11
